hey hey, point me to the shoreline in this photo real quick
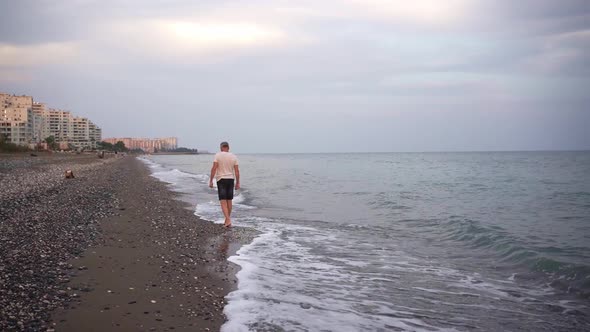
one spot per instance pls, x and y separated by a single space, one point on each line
145 262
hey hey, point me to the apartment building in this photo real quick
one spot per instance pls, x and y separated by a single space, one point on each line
169 143
40 122
80 133
95 134
60 125
146 144
25 122
84 133
16 118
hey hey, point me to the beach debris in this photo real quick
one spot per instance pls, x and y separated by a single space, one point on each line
69 174
153 301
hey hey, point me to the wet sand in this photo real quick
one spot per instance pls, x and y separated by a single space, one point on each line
121 254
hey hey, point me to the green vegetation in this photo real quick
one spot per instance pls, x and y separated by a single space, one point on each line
6 146
117 147
136 151
51 143
120 146
180 149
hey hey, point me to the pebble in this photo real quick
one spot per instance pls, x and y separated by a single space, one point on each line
44 200
42 227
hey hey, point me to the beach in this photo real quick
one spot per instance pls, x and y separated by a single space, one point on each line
111 249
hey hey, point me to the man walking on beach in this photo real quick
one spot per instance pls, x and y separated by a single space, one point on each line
225 170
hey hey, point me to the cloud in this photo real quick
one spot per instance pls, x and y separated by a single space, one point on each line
188 40
209 35
417 14
309 59
564 53
433 12
38 54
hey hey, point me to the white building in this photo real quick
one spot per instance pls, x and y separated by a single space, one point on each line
60 125
25 122
85 134
16 118
40 122
95 134
77 131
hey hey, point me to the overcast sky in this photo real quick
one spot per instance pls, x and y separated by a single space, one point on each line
311 76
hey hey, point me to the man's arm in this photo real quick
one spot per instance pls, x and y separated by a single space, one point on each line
213 171
237 172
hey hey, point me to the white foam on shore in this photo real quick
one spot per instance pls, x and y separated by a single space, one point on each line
189 183
281 282
176 177
148 162
284 284
211 211
236 311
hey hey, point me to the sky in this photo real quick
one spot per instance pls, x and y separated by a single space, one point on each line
310 76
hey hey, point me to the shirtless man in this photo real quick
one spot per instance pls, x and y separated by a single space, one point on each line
225 170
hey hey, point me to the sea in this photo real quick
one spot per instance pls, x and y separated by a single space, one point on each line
486 241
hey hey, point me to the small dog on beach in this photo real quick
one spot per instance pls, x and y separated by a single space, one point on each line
69 174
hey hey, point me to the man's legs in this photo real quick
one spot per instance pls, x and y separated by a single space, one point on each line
226 208
226 193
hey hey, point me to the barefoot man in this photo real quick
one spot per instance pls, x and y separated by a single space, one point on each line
225 170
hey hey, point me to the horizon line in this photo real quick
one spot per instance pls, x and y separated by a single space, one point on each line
432 151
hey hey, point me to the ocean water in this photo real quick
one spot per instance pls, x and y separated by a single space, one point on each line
404 241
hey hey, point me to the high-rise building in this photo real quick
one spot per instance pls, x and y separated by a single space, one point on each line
40 122
25 122
85 134
77 131
60 125
95 134
16 118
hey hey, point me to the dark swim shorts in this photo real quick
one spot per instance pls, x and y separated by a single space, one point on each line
225 189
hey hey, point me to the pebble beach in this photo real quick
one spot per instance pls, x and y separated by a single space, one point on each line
111 249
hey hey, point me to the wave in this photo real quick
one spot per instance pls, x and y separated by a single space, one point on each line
562 276
148 162
175 176
207 206
210 210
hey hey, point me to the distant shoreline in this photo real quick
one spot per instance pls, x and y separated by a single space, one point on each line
174 153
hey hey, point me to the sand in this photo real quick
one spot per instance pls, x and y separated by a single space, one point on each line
120 251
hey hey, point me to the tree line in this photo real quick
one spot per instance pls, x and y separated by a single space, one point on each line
117 147
6 146
52 144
